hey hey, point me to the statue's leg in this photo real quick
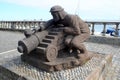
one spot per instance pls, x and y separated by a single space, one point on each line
81 53
77 42
67 42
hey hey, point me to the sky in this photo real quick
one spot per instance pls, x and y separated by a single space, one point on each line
39 9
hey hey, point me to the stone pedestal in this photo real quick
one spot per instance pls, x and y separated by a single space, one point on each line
12 68
63 61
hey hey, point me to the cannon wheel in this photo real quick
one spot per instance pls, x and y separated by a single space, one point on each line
51 52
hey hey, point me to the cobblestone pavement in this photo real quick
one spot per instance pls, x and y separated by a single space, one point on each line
8 41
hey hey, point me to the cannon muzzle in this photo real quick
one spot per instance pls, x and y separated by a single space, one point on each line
30 43
20 49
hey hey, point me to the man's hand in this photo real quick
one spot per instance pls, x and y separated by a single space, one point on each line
62 28
67 30
28 32
71 31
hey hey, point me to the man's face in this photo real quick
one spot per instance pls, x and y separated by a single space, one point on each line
56 16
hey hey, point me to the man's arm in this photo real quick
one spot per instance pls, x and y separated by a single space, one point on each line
74 28
44 25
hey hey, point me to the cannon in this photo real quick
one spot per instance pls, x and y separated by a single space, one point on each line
45 44
46 50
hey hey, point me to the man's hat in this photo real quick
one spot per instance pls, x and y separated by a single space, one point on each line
56 8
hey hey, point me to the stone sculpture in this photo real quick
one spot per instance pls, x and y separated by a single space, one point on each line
57 44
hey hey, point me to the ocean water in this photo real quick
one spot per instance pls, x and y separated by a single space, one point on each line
99 28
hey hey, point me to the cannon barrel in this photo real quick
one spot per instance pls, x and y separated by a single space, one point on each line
45 44
30 43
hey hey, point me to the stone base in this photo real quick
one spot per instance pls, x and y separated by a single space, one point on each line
12 68
63 62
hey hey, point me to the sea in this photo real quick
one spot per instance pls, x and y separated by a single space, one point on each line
99 28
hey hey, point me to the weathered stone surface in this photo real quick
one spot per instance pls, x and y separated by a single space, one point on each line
100 73
105 40
63 62
25 71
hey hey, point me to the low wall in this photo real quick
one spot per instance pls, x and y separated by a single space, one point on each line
104 40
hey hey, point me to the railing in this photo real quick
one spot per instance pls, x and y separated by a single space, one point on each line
21 25
104 23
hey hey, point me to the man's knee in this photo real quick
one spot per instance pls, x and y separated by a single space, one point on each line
76 42
67 42
77 45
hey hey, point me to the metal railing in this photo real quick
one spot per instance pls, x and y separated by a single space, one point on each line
22 25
